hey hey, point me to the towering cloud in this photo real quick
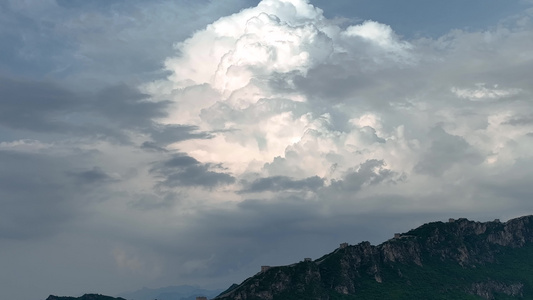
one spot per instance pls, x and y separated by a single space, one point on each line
250 78
287 91
290 95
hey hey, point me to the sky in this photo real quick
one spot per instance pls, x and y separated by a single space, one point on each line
157 143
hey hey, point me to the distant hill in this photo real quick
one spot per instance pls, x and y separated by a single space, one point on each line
182 292
84 297
459 259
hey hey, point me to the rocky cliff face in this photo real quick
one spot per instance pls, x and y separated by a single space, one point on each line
453 259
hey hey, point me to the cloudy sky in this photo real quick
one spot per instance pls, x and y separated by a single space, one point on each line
155 143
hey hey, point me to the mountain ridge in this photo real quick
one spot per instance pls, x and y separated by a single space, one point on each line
458 259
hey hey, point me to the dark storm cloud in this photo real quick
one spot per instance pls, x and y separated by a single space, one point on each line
343 82
445 151
370 172
92 176
356 82
35 106
128 107
44 107
183 170
282 183
151 146
167 134
37 195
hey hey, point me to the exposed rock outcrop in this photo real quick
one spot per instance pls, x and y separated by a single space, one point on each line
488 289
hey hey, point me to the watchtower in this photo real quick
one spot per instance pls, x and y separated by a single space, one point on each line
264 268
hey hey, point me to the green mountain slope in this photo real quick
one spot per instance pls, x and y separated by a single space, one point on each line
453 260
